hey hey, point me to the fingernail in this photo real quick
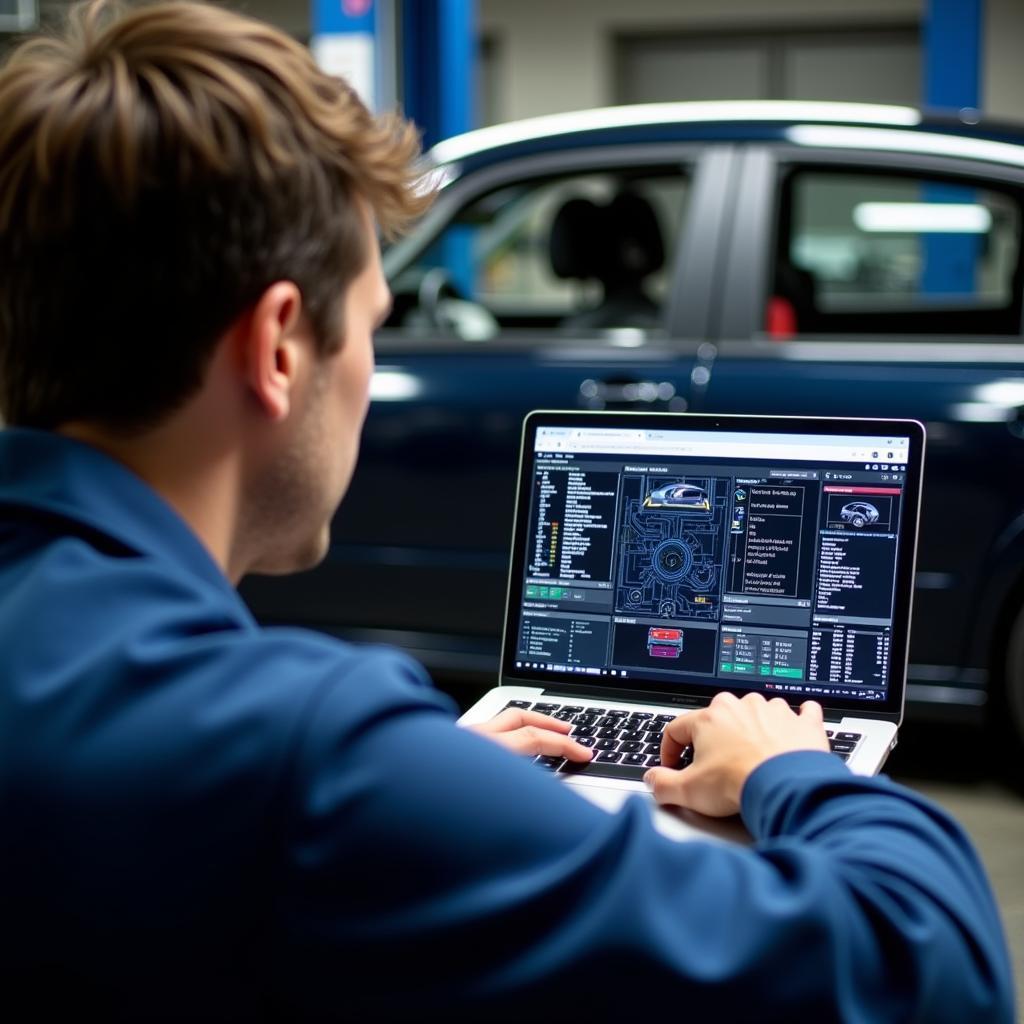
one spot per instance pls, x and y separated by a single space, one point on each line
647 777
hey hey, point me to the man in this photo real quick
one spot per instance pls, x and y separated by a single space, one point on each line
200 819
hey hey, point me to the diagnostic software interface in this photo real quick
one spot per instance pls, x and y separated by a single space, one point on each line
762 561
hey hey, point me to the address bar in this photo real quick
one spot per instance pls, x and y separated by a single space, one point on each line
724 449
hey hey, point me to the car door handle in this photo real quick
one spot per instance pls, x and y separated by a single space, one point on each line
622 392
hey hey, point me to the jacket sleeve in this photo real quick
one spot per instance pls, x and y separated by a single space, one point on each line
428 873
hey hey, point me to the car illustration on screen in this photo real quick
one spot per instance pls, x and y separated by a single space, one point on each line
681 496
859 513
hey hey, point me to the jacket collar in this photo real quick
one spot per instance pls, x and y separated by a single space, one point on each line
44 475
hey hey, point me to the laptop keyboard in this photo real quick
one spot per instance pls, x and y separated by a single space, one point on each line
626 742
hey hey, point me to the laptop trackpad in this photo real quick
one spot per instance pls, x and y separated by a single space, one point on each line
674 823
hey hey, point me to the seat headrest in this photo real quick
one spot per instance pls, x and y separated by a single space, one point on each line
619 243
575 239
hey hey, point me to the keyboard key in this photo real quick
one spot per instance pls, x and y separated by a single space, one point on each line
583 730
653 748
550 764
546 709
829 733
630 746
664 719
641 714
632 734
842 756
608 734
609 756
518 704
587 718
654 761
606 745
573 709
838 747
652 737
607 721
851 737
585 741
618 712
594 711
565 715
634 759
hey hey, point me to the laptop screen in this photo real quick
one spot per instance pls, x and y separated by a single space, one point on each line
686 555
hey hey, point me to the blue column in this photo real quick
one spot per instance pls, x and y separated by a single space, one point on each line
438 39
952 53
439 66
952 80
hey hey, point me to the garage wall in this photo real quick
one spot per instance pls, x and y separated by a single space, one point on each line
554 57
1002 92
864 65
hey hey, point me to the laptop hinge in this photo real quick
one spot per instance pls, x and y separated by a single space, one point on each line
625 696
835 714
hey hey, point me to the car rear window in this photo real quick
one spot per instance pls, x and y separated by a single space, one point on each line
866 252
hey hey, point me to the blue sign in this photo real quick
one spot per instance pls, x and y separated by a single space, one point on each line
337 16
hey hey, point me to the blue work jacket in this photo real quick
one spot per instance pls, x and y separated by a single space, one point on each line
205 819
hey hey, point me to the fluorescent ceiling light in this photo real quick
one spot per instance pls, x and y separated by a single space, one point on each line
461 146
907 142
951 218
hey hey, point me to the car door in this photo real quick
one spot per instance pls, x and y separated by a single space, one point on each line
826 312
495 315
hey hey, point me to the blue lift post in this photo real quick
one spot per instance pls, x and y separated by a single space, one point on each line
952 82
439 48
438 39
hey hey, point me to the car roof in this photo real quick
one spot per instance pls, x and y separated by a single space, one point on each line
845 125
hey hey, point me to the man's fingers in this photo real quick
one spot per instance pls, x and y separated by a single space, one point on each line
533 740
667 785
678 735
813 710
518 718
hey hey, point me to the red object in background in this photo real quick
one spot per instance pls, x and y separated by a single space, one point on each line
780 319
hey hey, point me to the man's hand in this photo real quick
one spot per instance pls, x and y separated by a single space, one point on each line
730 738
530 732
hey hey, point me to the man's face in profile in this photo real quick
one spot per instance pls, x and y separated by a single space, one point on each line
311 472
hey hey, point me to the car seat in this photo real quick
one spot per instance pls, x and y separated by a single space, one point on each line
618 244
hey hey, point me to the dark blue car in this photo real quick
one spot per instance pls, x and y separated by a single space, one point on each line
826 259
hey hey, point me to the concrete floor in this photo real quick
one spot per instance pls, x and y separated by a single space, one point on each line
969 787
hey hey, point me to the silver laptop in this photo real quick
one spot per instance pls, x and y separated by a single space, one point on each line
658 559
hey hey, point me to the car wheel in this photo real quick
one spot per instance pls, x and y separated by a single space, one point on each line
1007 705
858 521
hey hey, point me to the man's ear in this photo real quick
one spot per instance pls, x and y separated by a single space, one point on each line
271 347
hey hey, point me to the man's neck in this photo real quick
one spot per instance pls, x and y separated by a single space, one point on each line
184 464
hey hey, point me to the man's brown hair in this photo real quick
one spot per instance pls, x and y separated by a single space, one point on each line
160 167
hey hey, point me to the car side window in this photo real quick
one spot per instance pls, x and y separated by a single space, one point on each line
575 253
858 253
